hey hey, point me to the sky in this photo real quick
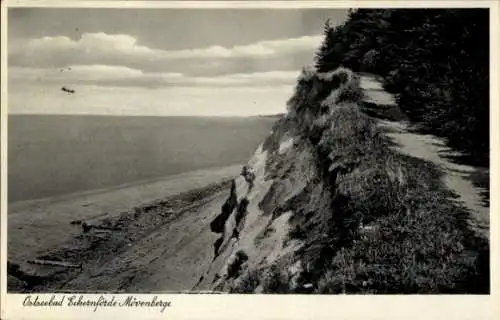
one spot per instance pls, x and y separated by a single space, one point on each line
159 62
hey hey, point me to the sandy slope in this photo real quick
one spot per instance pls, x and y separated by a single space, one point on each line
169 258
37 226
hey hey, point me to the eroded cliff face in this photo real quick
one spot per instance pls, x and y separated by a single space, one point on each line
262 225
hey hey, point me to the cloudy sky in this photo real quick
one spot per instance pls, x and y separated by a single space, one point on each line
159 61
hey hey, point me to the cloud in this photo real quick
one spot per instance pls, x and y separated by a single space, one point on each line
124 50
124 76
88 43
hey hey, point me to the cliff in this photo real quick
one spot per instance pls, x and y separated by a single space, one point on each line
325 206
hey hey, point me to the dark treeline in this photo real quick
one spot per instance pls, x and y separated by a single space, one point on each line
436 62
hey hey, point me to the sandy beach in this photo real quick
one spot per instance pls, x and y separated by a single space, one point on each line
41 225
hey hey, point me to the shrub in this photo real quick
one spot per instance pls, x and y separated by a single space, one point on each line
276 281
246 283
297 232
234 266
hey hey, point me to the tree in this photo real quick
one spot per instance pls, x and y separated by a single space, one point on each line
435 60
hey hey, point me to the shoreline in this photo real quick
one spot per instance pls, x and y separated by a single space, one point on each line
21 204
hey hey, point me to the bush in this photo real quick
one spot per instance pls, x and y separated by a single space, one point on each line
247 283
234 267
297 233
276 281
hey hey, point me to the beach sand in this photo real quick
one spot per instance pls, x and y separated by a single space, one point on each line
44 227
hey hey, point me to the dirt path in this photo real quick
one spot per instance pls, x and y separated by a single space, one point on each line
457 177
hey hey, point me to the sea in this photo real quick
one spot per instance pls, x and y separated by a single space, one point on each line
53 155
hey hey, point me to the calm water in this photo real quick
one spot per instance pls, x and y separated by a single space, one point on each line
54 155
